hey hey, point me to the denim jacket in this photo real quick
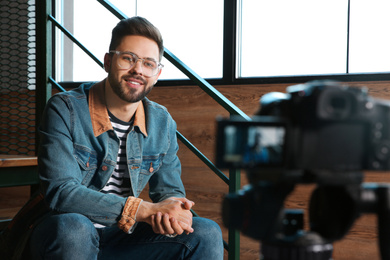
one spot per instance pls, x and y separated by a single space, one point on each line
78 153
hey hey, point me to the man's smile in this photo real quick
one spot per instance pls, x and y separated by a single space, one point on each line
134 82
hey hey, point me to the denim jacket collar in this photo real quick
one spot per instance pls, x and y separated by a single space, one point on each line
99 115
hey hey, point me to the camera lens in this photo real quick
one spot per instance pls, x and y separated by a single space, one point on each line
306 246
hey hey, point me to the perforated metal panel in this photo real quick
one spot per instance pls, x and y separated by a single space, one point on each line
17 77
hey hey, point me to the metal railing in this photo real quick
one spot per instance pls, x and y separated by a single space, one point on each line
45 26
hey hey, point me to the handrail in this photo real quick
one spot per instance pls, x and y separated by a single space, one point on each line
56 85
203 158
205 86
112 8
70 36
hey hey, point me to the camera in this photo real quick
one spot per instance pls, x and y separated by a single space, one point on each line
321 132
314 126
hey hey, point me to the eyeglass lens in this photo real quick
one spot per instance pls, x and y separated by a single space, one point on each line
128 61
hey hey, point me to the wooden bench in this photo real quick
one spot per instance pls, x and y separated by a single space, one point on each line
18 170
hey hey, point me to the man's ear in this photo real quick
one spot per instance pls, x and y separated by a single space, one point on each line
107 62
158 75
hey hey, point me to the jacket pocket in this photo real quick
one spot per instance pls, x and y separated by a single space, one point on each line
87 160
150 164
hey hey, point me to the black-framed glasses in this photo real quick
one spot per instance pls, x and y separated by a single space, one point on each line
127 60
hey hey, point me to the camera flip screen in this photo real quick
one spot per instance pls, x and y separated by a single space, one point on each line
248 144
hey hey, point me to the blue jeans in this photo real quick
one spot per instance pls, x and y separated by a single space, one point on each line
73 236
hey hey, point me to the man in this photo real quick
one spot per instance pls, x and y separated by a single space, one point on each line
100 145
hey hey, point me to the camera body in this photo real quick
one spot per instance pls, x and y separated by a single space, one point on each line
320 132
317 126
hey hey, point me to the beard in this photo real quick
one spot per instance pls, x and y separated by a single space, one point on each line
129 94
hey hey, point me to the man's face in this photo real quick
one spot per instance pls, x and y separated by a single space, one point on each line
130 84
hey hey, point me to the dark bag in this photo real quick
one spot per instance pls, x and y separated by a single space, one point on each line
14 239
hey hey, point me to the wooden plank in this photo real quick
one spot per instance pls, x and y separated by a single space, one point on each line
17 160
18 170
4 223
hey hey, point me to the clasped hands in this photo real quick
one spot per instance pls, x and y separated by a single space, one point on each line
170 216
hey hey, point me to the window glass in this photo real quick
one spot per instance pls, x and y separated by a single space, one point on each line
283 37
92 27
192 31
369 37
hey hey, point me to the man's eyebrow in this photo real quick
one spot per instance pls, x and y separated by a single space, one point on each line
151 59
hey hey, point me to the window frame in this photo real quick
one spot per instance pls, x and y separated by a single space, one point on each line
230 61
230 44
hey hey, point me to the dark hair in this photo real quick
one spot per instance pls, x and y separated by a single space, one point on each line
136 26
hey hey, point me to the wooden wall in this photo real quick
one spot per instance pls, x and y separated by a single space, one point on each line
195 115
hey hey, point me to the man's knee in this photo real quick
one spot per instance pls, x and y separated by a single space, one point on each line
208 232
207 239
64 232
70 226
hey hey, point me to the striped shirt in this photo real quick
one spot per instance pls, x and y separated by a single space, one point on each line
119 182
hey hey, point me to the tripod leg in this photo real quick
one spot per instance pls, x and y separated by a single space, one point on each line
384 221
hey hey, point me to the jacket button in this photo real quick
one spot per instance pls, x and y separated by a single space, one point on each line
104 168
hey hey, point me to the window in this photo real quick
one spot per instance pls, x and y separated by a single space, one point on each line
279 39
305 37
91 24
301 37
369 38
192 30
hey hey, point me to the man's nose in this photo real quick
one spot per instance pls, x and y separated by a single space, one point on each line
137 67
